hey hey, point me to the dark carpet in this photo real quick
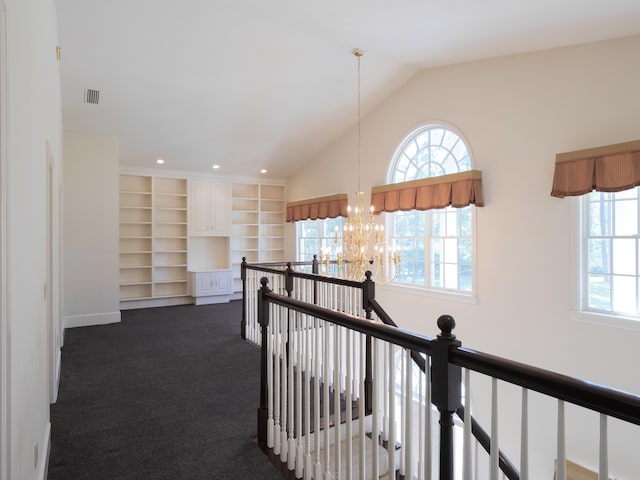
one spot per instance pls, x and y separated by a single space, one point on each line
169 393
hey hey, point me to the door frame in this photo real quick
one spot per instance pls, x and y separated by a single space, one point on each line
5 385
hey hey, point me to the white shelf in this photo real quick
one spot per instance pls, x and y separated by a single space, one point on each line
153 237
257 225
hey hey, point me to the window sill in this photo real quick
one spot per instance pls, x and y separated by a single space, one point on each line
606 320
424 292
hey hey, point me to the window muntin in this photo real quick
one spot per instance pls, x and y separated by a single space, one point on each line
610 253
315 235
436 245
431 152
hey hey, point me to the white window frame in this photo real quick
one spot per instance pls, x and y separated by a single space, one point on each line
581 310
466 296
330 240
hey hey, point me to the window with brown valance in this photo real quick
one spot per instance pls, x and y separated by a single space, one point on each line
456 189
611 168
331 206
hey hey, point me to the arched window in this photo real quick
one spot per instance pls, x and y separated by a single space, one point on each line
436 245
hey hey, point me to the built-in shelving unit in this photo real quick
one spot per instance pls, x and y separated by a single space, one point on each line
159 247
272 211
153 240
257 225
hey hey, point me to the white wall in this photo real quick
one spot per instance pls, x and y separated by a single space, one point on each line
516 112
33 121
90 230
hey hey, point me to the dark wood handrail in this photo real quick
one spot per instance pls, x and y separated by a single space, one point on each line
399 336
262 267
610 401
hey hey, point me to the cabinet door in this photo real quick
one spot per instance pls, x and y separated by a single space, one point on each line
221 206
223 282
209 208
199 208
205 284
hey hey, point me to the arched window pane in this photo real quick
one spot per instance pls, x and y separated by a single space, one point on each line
436 246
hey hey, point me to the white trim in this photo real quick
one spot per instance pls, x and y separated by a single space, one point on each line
402 143
389 218
429 293
88 320
606 320
43 454
58 374
161 172
5 385
156 302
578 271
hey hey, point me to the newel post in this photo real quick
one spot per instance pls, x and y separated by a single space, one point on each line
243 276
263 320
445 388
368 293
315 269
288 280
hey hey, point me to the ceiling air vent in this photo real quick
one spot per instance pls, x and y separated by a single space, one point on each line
92 96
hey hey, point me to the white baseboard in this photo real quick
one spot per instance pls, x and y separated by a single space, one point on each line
45 447
211 299
56 386
71 321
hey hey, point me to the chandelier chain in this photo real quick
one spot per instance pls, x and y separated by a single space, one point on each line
359 117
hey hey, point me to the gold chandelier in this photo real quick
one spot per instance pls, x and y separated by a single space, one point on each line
363 240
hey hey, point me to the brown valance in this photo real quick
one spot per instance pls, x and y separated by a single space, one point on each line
457 189
318 208
611 168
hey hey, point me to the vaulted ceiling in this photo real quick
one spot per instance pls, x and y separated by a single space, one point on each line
252 84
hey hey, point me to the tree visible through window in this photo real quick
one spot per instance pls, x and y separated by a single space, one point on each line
318 236
436 245
610 254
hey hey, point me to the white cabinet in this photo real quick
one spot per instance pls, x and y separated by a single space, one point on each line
210 286
209 205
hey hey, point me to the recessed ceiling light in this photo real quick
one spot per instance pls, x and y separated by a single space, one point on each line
160 161
215 167
264 170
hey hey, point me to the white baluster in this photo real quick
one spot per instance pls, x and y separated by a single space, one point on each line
284 445
276 383
300 355
603 469
403 411
428 460
291 448
466 445
421 401
361 410
307 389
316 398
391 445
561 463
385 407
270 383
348 402
408 437
375 460
524 436
325 398
336 398
494 470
